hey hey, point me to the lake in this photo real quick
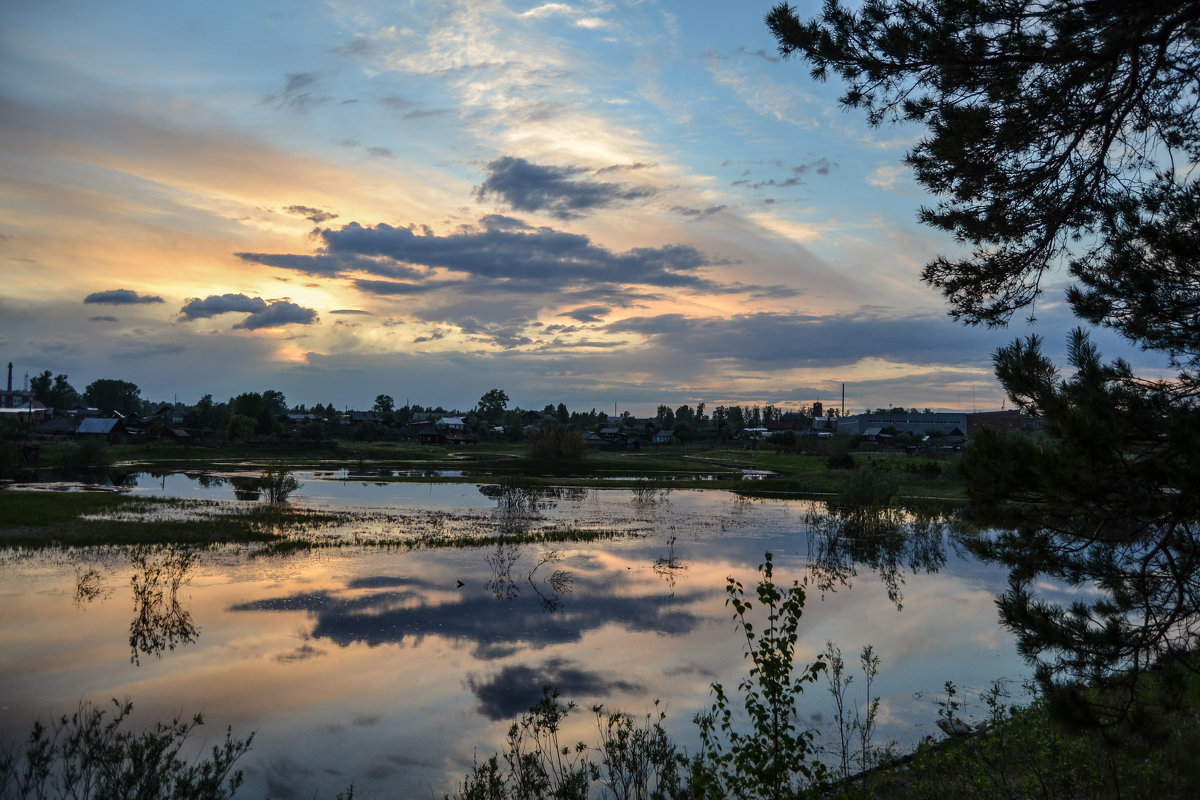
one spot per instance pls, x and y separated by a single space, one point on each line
393 668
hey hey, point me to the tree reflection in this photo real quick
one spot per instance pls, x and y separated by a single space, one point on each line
643 496
501 584
246 488
558 583
888 539
549 588
517 506
669 566
160 622
89 586
205 480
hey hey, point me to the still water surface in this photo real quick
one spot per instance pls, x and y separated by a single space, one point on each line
392 669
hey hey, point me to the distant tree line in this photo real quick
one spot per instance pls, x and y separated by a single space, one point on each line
267 415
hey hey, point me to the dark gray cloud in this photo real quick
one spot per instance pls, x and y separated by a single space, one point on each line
298 92
397 103
526 186
587 313
775 339
795 175
430 337
312 214
103 319
261 314
393 287
121 297
698 212
515 689
331 266
760 53
299 81
623 167
351 311
421 113
276 314
143 351
502 250
215 304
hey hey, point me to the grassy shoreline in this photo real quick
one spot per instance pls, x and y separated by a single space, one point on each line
673 466
37 518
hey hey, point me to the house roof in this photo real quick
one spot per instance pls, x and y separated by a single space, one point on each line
98 425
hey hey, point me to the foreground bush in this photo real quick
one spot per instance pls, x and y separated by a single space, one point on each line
89 754
774 759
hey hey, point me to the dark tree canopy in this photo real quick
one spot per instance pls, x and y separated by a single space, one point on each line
1059 134
1062 135
109 395
492 405
56 392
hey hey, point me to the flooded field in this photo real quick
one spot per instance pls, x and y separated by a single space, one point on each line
392 668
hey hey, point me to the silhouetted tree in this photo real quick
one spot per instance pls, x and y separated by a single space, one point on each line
54 392
383 404
107 395
1056 136
492 405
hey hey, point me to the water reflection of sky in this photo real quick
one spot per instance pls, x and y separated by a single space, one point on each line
379 668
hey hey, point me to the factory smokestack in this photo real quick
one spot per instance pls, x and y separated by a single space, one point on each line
10 376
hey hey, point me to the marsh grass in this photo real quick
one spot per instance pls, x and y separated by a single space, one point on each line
85 519
284 547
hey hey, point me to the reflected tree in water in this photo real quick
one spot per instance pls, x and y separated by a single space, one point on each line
668 567
501 584
643 496
89 586
553 586
517 505
246 488
205 480
160 621
549 588
890 539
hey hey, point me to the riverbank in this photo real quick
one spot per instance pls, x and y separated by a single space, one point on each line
1022 752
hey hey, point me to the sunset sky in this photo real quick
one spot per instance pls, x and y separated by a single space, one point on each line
588 202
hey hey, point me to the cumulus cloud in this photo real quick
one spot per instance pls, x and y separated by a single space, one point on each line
526 186
508 256
121 297
261 313
277 314
215 304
